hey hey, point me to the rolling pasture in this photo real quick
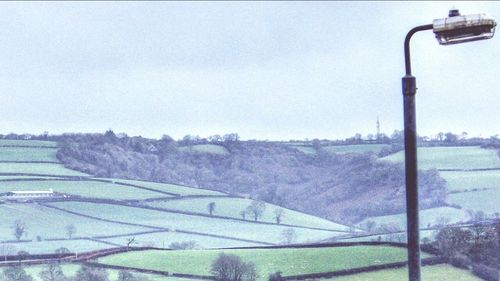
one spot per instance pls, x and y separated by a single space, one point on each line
467 181
49 223
34 143
291 261
486 201
27 154
428 217
107 212
205 148
51 169
231 207
459 158
246 230
441 272
89 189
70 270
355 148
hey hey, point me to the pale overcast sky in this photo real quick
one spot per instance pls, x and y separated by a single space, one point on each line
266 70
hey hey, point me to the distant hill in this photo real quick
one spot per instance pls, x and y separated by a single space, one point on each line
345 187
84 213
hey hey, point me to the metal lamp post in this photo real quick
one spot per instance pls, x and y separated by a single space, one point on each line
454 29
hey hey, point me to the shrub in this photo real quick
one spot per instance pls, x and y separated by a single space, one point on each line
232 268
460 261
485 272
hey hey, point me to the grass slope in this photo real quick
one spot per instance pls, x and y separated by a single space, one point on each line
28 154
232 228
27 143
173 188
459 181
164 239
49 223
91 189
427 217
442 272
290 261
44 247
481 200
470 157
231 207
38 168
70 270
355 148
205 148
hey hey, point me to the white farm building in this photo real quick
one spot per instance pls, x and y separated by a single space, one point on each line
28 194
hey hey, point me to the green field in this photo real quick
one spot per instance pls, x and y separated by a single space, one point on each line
355 148
27 154
70 270
398 237
231 207
290 261
173 188
50 223
38 168
163 240
231 228
481 200
92 189
442 272
460 181
44 247
469 157
304 149
28 143
427 217
205 148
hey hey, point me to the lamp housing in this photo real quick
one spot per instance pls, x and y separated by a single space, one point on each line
458 28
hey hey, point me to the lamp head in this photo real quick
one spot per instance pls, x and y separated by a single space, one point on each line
457 29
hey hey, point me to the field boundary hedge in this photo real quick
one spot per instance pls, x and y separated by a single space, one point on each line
32 162
351 271
160 228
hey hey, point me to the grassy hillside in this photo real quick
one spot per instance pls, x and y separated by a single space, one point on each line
49 223
290 261
125 215
231 207
27 154
428 217
462 157
486 201
356 148
70 270
90 189
215 226
205 148
461 181
435 272
4 142
38 168
173 188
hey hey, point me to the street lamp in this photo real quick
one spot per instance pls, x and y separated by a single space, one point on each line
454 29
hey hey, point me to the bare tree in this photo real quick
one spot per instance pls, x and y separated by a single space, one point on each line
130 241
70 230
256 208
289 235
19 228
278 214
211 207
52 272
6 250
229 267
243 214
